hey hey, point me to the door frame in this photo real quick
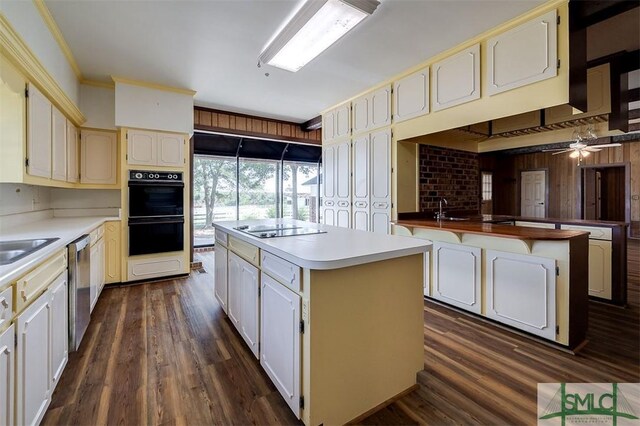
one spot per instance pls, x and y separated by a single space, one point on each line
627 188
546 189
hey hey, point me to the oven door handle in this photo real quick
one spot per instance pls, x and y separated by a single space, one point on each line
155 183
140 221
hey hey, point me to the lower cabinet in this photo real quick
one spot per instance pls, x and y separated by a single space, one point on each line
600 268
521 292
59 328
457 275
33 371
220 276
243 284
96 274
280 339
7 375
112 252
427 274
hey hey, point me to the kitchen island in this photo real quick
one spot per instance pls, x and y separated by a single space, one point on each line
334 315
531 279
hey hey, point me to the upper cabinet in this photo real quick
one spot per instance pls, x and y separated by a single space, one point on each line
38 134
523 55
372 110
150 148
98 157
58 145
598 98
72 152
456 79
336 123
411 96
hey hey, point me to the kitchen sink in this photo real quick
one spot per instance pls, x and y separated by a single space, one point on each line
12 251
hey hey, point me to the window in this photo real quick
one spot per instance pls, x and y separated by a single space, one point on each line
486 186
258 189
300 191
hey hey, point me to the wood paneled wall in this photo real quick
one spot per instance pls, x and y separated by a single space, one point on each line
247 125
563 178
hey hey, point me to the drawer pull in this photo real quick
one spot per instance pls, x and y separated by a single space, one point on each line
361 204
23 294
4 303
343 204
380 205
328 203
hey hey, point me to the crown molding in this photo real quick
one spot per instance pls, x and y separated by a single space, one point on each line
13 47
155 86
104 84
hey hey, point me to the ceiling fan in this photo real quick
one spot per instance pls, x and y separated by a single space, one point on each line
580 150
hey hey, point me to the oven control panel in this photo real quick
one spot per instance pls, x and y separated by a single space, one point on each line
139 175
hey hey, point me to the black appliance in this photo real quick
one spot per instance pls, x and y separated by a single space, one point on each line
156 212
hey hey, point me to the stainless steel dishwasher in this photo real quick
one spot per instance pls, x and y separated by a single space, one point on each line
79 284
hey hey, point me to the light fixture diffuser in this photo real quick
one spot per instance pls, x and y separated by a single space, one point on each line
316 26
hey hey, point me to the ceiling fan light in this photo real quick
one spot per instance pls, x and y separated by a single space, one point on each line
575 154
315 27
585 153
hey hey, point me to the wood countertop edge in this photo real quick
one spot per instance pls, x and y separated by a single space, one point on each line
504 231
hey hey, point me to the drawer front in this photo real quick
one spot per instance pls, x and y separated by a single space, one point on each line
541 225
221 237
285 272
29 287
246 250
595 233
6 307
158 267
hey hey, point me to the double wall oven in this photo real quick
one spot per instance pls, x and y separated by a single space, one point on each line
156 212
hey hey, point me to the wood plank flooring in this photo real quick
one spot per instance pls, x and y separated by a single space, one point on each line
164 353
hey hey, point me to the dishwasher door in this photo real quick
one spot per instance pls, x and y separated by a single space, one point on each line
79 284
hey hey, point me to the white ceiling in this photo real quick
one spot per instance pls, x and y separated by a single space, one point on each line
212 47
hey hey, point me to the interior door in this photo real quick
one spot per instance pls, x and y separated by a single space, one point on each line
533 193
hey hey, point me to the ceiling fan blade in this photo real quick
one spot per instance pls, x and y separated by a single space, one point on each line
554 150
592 149
562 152
607 145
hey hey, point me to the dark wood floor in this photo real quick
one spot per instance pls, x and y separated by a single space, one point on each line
164 353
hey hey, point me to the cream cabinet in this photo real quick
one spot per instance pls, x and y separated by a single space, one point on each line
97 269
521 291
153 267
98 157
59 328
112 250
58 145
33 363
456 79
523 55
7 375
38 133
457 275
72 153
600 268
360 182
336 123
380 176
372 110
220 276
598 98
151 148
336 165
280 339
244 287
411 96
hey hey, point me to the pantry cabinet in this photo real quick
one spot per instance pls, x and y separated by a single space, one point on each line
411 96
523 55
98 157
58 145
380 177
361 183
337 186
244 285
456 79
38 133
280 339
7 375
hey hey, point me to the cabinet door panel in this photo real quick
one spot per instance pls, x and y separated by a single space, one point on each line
249 320
361 109
380 147
34 361
329 171
456 79
112 252
94 273
59 328
72 153
521 292
38 133
411 96
600 269
329 126
7 375
98 157
380 106
343 120
141 147
58 145
524 55
234 289
343 169
170 150
456 272
280 344
220 276
360 181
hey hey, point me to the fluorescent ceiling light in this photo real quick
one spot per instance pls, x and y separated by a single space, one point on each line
316 26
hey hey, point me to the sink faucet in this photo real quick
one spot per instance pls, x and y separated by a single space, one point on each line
440 214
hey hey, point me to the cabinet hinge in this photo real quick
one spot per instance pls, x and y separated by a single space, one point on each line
126 136
15 340
26 162
557 329
259 291
126 156
557 271
558 63
558 20
302 327
302 402
26 90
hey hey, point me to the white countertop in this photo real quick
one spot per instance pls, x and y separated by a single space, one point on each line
338 248
66 228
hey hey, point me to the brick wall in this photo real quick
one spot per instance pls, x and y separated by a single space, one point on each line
451 174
